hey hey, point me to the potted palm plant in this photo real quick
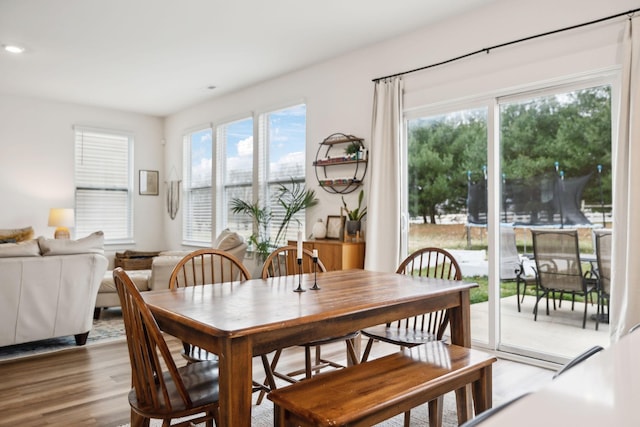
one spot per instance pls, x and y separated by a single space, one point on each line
293 198
354 216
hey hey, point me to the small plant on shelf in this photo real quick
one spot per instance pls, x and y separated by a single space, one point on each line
352 150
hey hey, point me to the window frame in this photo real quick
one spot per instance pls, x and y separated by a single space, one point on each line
188 238
129 189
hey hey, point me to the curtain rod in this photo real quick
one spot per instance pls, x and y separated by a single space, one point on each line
488 49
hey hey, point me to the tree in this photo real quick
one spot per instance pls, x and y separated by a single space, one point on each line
572 128
439 153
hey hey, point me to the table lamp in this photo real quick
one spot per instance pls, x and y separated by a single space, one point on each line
62 219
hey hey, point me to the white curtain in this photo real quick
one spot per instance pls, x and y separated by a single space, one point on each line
384 196
625 275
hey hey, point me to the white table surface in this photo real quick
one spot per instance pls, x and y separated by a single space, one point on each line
602 391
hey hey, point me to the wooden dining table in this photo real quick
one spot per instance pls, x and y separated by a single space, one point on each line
244 319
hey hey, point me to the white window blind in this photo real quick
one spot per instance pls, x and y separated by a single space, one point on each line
103 183
283 138
198 171
235 147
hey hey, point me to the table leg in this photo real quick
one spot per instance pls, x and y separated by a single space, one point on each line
460 327
235 383
460 321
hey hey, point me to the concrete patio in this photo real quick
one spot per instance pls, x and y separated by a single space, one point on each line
559 334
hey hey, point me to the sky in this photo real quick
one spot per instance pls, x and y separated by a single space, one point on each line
286 136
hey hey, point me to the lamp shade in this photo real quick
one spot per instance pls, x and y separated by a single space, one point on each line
62 218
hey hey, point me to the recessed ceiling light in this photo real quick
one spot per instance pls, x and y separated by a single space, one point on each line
13 48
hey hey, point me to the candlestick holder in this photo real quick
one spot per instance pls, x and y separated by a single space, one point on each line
299 288
315 286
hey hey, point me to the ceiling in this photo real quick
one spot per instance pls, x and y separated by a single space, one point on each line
159 56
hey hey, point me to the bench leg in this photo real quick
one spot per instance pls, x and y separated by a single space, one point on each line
462 404
278 416
482 398
435 412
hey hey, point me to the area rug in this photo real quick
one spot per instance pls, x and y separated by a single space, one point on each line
109 327
262 415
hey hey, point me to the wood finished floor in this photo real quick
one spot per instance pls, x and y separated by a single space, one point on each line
88 386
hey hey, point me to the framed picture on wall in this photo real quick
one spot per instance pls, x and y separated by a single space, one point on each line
148 183
335 225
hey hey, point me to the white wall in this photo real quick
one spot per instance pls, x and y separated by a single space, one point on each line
339 93
37 155
36 137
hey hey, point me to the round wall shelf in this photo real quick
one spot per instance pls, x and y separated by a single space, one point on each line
341 163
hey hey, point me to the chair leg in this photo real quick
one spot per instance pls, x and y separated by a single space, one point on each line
352 357
269 369
598 310
307 361
535 307
518 293
367 350
584 317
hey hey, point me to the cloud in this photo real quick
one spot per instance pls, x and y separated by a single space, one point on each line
245 147
202 172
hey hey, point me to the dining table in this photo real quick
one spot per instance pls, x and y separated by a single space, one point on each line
240 320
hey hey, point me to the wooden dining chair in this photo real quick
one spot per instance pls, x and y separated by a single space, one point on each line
410 332
206 266
425 262
283 262
201 267
174 393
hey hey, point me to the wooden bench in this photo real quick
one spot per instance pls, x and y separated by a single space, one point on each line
368 393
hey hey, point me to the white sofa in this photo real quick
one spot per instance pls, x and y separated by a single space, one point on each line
48 288
161 267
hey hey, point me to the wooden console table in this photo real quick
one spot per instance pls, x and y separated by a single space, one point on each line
335 254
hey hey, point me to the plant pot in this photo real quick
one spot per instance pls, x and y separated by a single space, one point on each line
352 227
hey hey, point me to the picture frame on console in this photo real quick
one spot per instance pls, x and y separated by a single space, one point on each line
335 227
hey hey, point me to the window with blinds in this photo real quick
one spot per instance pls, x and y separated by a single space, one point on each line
103 181
197 181
283 137
235 147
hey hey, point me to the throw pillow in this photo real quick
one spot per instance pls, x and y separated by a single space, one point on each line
228 240
28 248
93 243
17 234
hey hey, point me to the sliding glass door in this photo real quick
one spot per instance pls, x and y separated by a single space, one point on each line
480 177
555 169
446 164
